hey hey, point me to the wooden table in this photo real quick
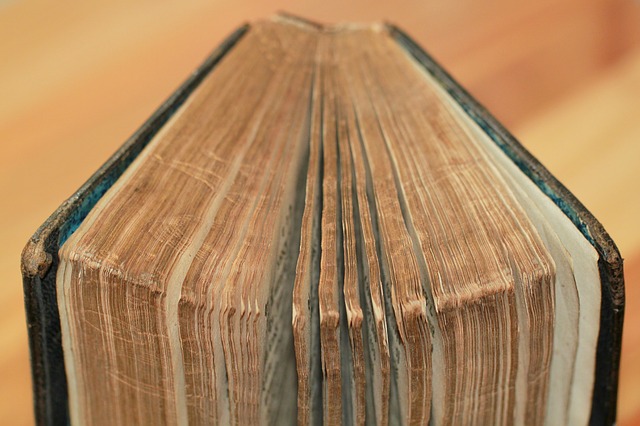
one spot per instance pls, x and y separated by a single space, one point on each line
77 78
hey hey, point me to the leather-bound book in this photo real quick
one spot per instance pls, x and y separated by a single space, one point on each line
320 226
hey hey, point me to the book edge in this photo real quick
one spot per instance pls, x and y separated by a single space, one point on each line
610 263
39 258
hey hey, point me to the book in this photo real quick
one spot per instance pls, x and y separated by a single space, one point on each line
322 226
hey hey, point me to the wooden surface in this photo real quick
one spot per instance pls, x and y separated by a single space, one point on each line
76 79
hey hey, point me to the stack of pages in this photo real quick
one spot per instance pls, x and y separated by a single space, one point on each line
322 234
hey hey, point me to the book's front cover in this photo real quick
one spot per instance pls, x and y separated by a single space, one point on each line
40 256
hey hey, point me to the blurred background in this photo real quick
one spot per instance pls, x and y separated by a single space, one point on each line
76 79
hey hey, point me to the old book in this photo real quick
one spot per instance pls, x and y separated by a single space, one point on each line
321 226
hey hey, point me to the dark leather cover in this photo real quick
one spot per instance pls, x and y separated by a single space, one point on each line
40 256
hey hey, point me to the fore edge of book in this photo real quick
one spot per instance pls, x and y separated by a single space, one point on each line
610 262
581 217
39 257
36 258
